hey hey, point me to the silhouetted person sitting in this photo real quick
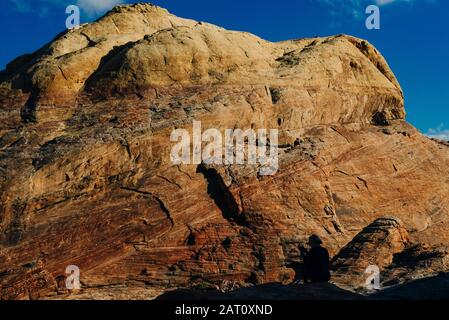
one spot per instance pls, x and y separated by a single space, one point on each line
316 261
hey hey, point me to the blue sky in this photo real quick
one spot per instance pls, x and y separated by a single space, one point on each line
414 35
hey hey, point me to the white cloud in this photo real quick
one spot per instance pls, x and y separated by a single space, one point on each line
96 7
92 8
366 2
356 8
438 133
385 2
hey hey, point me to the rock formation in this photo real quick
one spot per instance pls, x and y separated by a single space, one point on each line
375 245
385 243
86 177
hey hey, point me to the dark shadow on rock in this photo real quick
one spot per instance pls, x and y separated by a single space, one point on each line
271 291
432 288
221 195
109 62
298 268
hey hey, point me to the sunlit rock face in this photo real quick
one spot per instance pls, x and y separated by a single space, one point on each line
86 176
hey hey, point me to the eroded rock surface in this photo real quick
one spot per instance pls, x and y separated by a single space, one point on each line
375 245
86 177
385 244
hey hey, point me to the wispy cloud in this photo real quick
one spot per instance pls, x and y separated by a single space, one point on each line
356 8
91 8
368 2
439 133
385 2
97 7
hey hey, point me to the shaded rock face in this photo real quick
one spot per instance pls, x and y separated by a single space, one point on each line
386 244
86 177
417 261
272 291
375 245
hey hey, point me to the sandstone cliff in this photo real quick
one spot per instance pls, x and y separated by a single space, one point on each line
86 177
